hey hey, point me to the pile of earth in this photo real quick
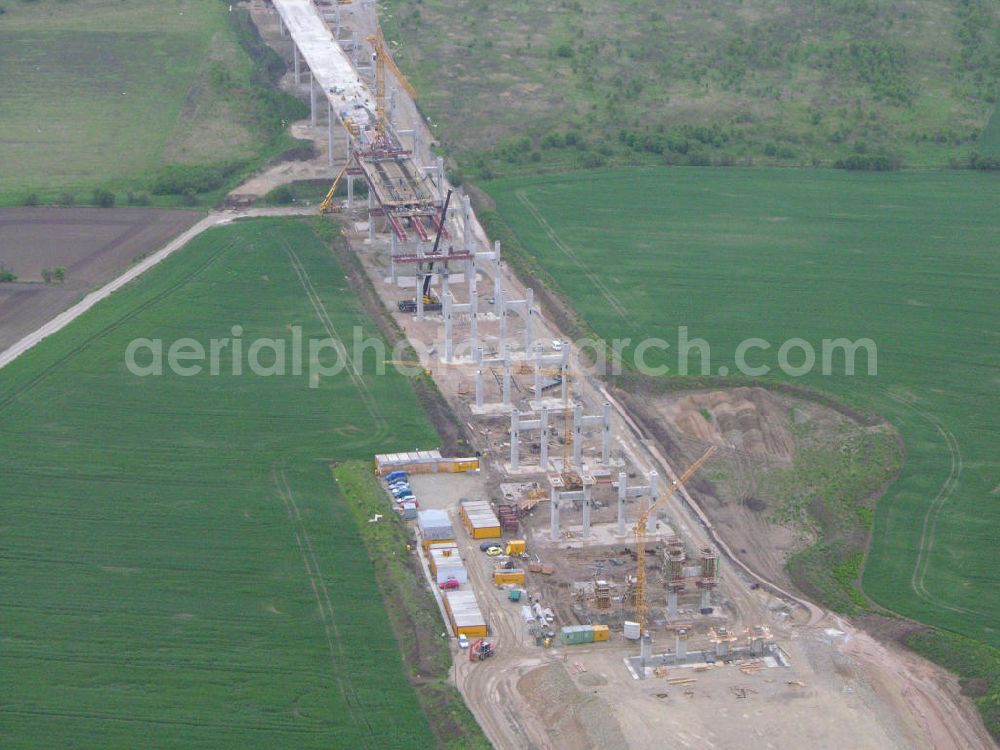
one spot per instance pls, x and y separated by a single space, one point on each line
749 419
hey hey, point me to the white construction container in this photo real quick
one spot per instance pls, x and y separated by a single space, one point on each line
631 630
447 566
434 525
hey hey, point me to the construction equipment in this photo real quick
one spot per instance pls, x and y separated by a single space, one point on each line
384 60
516 547
432 303
437 242
640 537
327 205
480 650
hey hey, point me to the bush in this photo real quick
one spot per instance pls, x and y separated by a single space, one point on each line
592 160
869 163
986 163
282 195
66 199
6 274
104 198
178 179
303 150
553 140
137 199
189 198
31 199
514 149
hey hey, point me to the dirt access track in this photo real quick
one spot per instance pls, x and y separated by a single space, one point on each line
92 244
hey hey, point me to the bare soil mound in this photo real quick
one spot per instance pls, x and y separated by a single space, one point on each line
574 718
750 419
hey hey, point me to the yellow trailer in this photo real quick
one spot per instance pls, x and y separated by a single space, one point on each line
601 633
502 576
516 547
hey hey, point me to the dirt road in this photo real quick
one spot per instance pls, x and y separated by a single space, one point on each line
92 245
68 316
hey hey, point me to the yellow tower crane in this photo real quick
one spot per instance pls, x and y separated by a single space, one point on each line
640 538
384 60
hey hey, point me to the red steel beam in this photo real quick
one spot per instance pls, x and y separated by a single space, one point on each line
397 227
435 258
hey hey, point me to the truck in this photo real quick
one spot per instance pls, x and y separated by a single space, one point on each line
480 650
432 303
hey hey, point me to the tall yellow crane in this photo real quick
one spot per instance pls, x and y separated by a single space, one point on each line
640 538
384 60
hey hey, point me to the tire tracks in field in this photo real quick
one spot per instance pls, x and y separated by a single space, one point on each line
367 398
928 533
324 602
594 278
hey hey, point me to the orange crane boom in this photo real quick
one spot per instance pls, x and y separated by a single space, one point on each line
640 537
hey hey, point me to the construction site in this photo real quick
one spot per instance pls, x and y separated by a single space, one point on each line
591 600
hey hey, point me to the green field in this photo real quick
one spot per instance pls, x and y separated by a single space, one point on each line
907 260
179 569
731 81
106 92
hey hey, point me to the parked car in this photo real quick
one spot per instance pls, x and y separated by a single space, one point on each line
486 545
494 551
392 476
463 641
451 583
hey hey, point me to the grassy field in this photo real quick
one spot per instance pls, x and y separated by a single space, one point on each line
179 567
907 260
733 81
103 93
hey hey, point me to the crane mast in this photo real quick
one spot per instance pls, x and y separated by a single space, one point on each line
384 60
640 537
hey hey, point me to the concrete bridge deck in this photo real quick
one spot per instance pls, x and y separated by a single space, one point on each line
349 96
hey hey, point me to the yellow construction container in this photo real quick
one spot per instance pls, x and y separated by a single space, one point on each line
479 520
460 465
428 542
601 633
516 547
463 611
501 576
471 631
